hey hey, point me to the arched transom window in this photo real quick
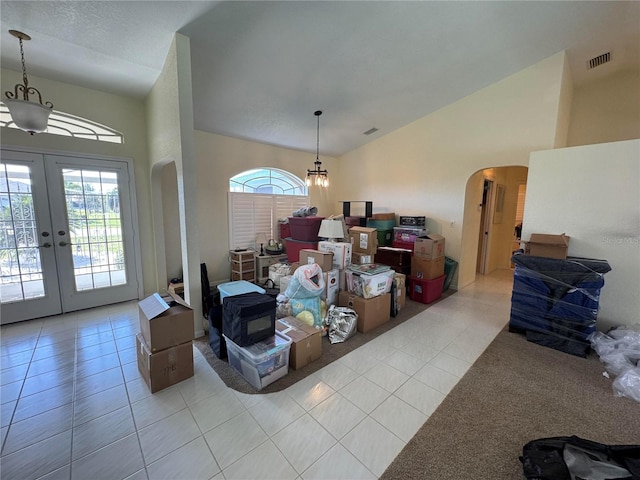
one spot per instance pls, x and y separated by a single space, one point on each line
67 125
267 180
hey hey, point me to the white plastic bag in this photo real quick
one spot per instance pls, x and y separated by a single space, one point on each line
619 351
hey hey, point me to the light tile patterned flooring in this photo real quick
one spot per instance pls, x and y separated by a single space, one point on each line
75 407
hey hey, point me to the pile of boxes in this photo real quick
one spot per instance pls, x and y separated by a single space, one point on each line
427 269
163 345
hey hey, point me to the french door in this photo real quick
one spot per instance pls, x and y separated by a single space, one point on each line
67 237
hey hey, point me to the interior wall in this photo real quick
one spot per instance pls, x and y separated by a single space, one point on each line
170 212
592 193
124 114
220 158
606 111
423 168
170 112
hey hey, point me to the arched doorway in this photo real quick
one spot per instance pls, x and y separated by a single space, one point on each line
490 217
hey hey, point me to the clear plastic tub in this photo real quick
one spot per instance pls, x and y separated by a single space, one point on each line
262 363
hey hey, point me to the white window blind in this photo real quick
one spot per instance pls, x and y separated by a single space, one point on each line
251 214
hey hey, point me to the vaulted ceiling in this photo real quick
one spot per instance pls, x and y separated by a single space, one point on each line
260 69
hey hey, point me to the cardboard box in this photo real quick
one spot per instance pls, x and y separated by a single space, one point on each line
550 246
429 247
427 269
363 239
361 258
163 326
400 283
341 253
166 367
324 259
306 345
372 312
369 280
331 286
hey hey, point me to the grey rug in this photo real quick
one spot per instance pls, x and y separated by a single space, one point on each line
515 392
330 353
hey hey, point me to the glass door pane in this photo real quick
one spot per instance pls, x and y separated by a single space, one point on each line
95 228
28 278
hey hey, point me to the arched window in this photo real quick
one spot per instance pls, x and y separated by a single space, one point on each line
258 198
267 180
67 125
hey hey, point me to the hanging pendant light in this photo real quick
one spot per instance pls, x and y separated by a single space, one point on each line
317 176
29 116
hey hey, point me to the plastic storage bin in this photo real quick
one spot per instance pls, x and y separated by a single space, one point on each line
262 363
293 248
425 291
236 288
305 229
450 267
407 234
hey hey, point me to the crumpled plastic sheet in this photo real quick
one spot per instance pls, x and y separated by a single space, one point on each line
619 351
342 323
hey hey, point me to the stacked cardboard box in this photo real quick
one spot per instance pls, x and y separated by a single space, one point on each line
163 346
427 268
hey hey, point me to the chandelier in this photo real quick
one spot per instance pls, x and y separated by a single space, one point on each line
29 116
317 176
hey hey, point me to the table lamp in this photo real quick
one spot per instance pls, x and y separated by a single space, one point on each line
331 230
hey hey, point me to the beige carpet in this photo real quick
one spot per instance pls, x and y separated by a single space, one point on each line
330 352
515 392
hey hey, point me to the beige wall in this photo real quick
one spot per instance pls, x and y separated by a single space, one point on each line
423 168
220 158
124 114
592 193
606 111
170 113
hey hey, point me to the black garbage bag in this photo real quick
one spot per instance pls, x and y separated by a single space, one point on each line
575 458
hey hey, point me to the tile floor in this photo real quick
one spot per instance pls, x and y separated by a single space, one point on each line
75 407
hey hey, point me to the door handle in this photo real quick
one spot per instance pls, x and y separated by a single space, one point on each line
63 244
45 245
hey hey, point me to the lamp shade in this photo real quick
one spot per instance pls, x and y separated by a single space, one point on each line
31 117
331 229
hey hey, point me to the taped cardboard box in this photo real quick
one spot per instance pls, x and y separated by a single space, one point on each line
372 312
163 326
430 246
400 290
331 286
341 253
166 367
363 239
306 346
427 269
362 258
324 259
550 246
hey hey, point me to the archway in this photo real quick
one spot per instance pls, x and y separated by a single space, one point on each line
491 208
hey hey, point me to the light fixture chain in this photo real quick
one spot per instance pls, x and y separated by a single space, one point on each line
24 71
318 139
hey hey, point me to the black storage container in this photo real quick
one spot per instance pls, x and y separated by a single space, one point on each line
249 318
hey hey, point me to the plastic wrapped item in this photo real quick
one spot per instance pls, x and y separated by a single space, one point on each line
277 271
368 281
619 351
342 323
628 384
306 282
556 302
305 212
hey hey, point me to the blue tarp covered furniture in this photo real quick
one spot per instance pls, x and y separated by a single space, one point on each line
555 302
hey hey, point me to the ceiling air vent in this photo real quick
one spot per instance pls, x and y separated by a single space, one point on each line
599 60
371 130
